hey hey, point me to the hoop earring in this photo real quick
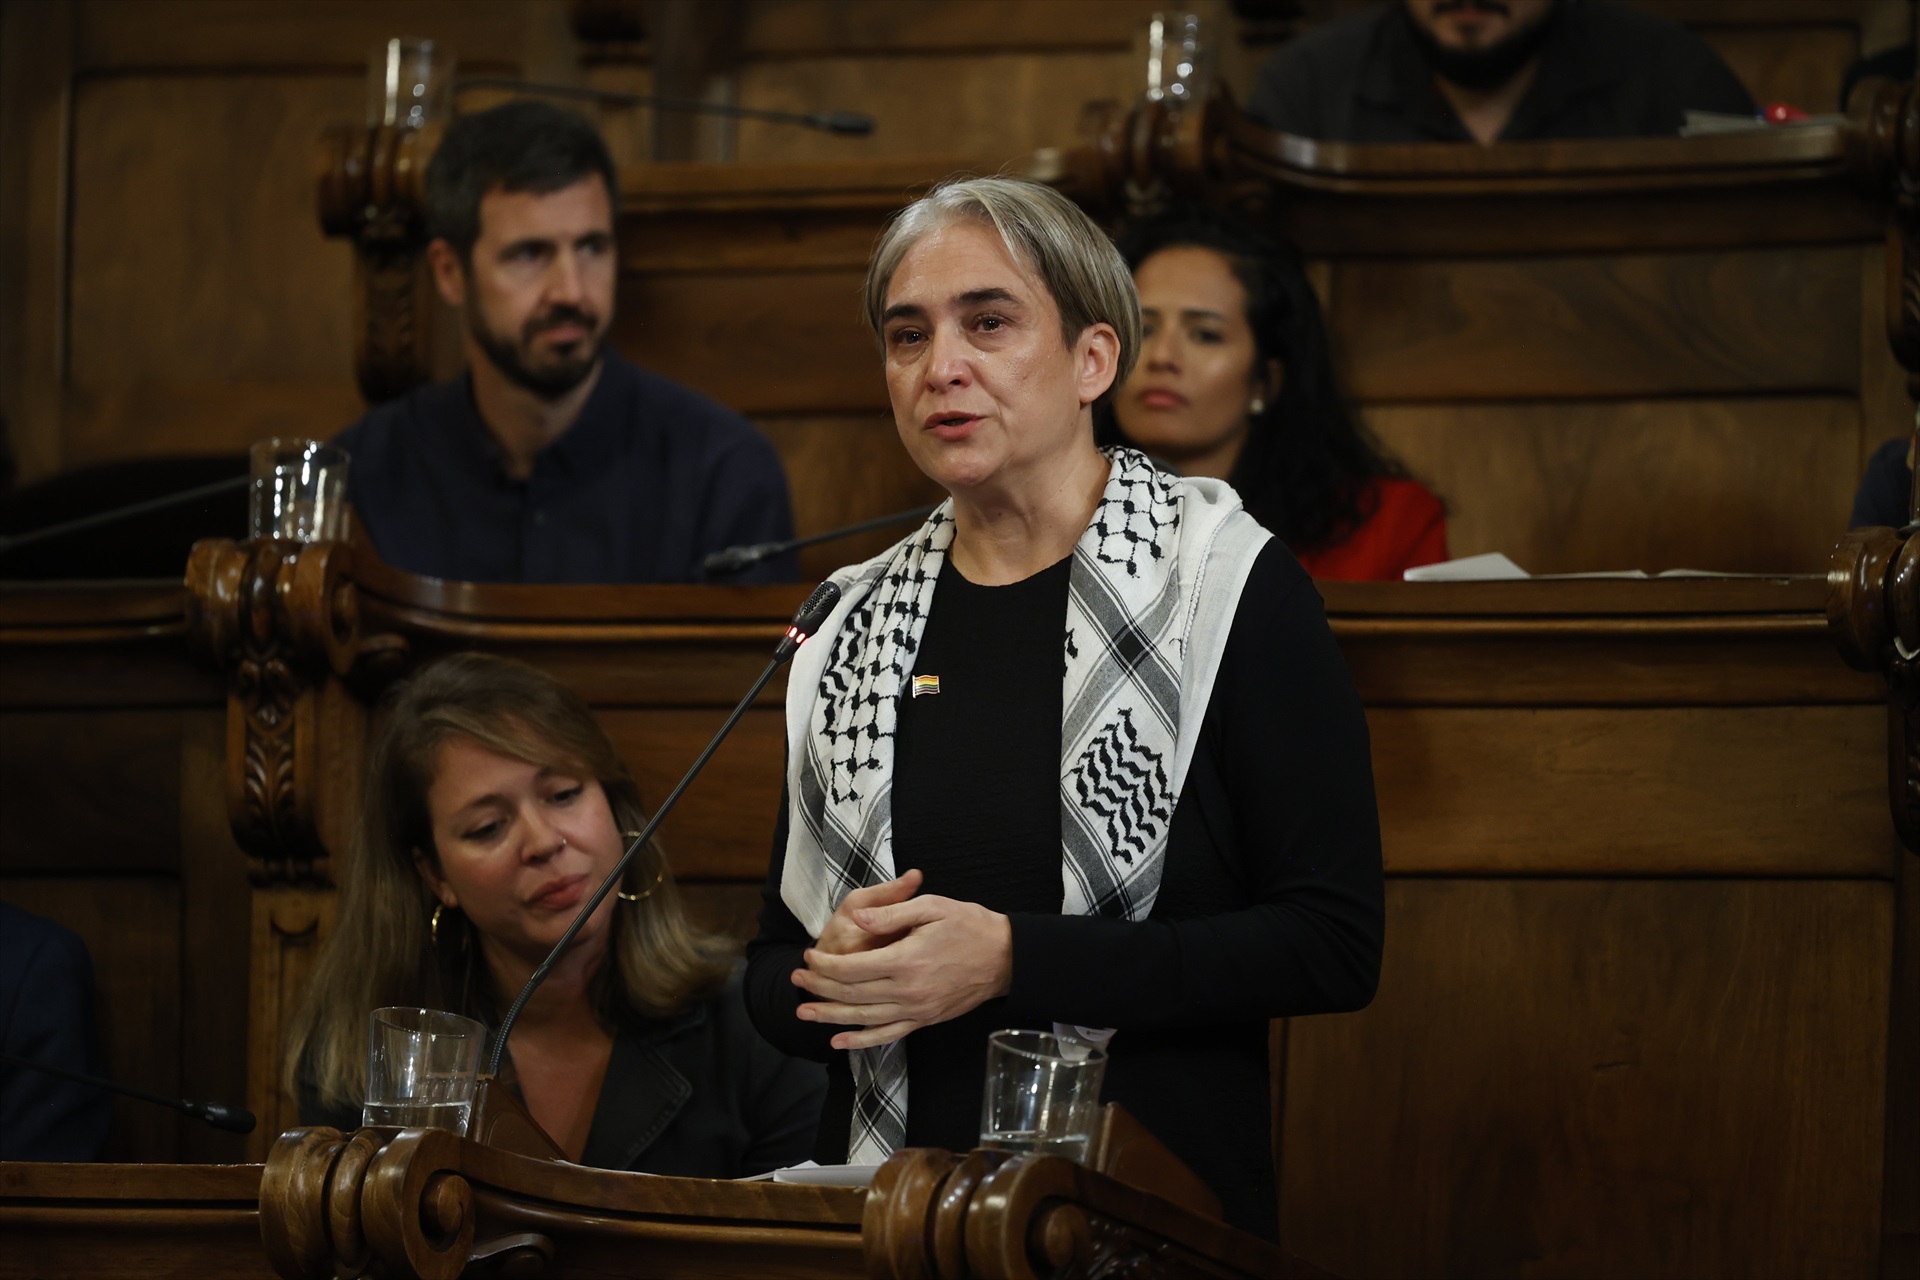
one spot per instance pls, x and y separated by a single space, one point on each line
433 925
658 880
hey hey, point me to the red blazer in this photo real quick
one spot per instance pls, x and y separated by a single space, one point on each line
1408 528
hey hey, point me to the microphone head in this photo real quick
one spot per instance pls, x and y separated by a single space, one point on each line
846 123
814 610
730 560
807 621
232 1119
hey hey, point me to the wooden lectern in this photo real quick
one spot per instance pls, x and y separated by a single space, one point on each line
407 1203
423 1203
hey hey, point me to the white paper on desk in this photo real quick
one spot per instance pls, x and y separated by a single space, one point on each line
1494 567
828 1175
1491 567
810 1174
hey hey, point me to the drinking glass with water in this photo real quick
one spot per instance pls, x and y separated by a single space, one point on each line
420 1069
1042 1094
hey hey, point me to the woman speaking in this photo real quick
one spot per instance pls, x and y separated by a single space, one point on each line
1079 750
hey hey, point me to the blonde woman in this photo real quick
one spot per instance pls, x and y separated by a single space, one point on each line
495 804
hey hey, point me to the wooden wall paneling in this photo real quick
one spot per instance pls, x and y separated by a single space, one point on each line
166 416
998 105
628 130
1900 1212
842 471
1801 64
289 925
1755 484
1886 410
218 36
730 907
734 337
1562 1078
171 288
90 792
890 28
28 678
722 828
1535 662
216 907
206 310
36 48
1601 326
1567 791
131 925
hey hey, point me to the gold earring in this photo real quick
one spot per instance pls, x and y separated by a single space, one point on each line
623 895
1258 407
433 925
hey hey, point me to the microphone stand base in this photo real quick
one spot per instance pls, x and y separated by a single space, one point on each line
501 1121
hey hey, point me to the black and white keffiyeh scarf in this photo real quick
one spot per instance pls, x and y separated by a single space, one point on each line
1152 591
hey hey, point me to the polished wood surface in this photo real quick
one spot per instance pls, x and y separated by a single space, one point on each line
108 1221
1655 804
1634 830
426 1205
419 1203
111 823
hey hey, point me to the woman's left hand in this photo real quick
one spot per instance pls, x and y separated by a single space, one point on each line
954 957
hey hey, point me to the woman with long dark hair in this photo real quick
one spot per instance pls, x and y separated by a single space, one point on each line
1235 381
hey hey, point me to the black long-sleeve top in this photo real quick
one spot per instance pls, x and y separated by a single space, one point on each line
1270 903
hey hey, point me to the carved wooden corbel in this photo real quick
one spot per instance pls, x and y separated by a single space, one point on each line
1135 162
995 1216
393 1203
281 618
372 190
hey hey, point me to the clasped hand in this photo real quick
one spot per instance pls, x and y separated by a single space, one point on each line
889 963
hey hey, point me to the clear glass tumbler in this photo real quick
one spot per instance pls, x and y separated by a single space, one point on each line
1042 1094
1178 57
420 1069
409 82
299 490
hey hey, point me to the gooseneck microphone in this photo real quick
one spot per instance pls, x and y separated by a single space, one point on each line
9 541
730 560
217 1114
850 124
805 622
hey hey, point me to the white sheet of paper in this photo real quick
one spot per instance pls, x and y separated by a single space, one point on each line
1491 567
828 1175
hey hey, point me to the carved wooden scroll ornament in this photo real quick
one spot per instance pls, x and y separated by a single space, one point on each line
372 191
932 1215
282 618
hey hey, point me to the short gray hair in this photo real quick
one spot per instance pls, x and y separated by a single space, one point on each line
1046 233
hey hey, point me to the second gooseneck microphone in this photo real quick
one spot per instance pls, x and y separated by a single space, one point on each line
805 622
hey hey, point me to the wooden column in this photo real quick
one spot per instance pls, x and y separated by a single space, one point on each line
282 620
372 191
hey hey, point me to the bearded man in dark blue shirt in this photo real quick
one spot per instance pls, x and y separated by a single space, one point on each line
552 459
1493 70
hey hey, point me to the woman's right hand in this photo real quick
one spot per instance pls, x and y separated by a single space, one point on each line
842 937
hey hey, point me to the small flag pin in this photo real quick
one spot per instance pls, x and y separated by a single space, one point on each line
925 684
